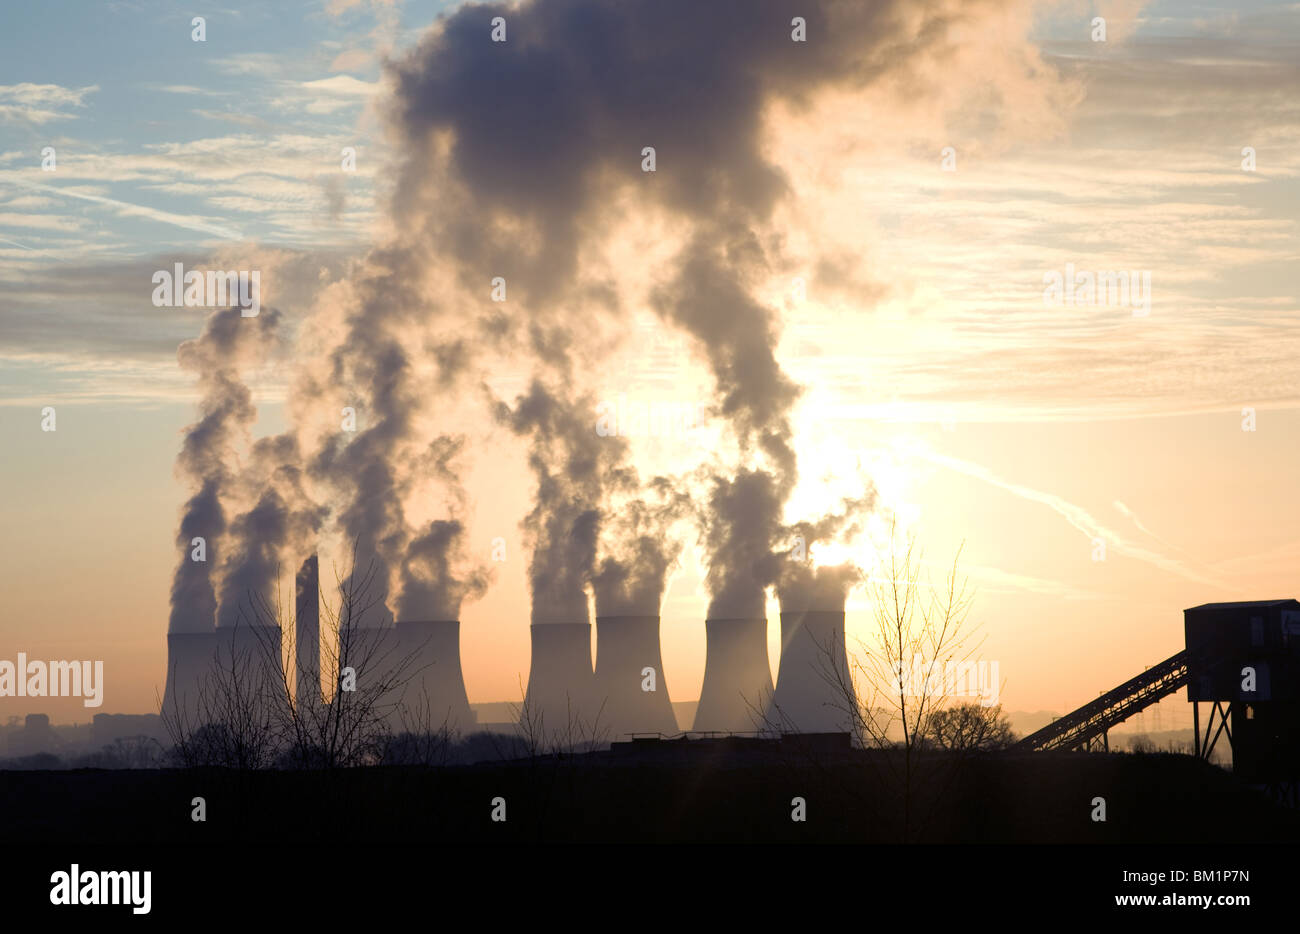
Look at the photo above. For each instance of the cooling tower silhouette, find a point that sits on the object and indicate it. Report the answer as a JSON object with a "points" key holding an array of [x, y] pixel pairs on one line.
{"points": [[379, 669], [434, 692], [307, 634], [813, 690], [737, 680], [190, 658], [625, 647], [560, 689], [250, 668]]}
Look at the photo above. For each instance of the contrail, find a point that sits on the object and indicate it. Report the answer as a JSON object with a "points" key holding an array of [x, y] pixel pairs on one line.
{"points": [[1075, 515], [126, 207], [29, 249]]}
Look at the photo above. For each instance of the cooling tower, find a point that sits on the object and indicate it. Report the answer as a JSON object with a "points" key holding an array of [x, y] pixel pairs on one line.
{"points": [[377, 663], [737, 681], [307, 634], [434, 693], [558, 703], [251, 666], [625, 647], [813, 690], [189, 663]]}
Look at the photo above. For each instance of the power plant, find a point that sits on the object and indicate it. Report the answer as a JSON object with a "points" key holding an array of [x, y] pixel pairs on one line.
{"points": [[251, 667], [629, 676], [190, 658], [416, 665], [560, 691], [813, 688], [737, 680], [434, 694]]}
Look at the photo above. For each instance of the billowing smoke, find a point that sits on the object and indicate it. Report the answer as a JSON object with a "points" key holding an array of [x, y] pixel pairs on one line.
{"points": [[640, 548], [803, 586], [821, 589], [513, 154], [572, 465], [363, 469], [431, 587], [280, 526], [743, 519], [193, 598], [228, 342], [436, 574], [388, 329], [842, 524], [519, 147], [709, 298]]}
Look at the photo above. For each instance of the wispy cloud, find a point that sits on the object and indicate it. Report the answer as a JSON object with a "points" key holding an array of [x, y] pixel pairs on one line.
{"points": [[1077, 516], [188, 222], [41, 103], [1141, 526]]}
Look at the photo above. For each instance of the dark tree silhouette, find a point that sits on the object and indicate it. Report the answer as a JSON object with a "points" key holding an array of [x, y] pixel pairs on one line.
{"points": [[970, 728], [248, 715]]}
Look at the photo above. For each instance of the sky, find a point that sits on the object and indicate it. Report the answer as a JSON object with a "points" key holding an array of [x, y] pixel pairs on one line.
{"points": [[910, 305]]}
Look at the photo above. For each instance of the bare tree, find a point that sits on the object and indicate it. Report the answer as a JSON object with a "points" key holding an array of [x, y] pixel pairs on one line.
{"points": [[893, 687], [231, 721], [578, 732], [248, 715]]}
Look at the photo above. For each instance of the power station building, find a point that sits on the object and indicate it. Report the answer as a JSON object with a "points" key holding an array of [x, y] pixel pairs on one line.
{"points": [[1243, 659]]}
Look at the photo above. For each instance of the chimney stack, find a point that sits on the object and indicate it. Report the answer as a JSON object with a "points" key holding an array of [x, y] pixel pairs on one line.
{"points": [[307, 634], [737, 680], [625, 647]]}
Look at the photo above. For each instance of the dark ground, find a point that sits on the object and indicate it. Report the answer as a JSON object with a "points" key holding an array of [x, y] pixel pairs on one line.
{"points": [[711, 795]]}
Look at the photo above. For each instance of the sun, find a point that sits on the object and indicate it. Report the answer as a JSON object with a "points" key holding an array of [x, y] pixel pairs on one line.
{"points": [[833, 469]]}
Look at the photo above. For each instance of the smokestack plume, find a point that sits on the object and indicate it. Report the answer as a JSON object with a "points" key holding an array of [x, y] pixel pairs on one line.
{"points": [[743, 522], [640, 545], [461, 189], [572, 465], [307, 634], [227, 343], [430, 587], [814, 690]]}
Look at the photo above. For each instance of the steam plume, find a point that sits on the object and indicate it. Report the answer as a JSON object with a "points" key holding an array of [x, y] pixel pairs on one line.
{"points": [[227, 343]]}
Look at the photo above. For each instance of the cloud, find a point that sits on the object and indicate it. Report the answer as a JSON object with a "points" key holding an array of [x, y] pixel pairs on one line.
{"points": [[126, 209], [40, 103], [1077, 516]]}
